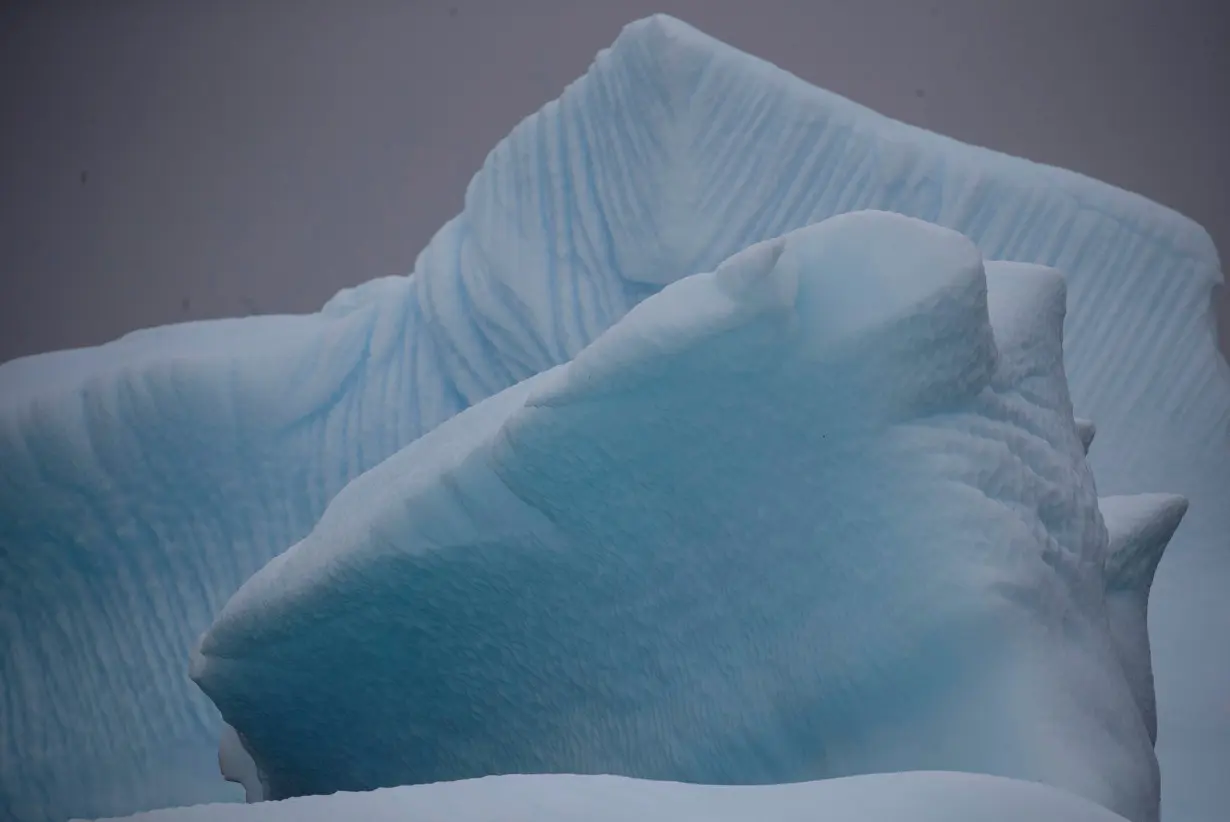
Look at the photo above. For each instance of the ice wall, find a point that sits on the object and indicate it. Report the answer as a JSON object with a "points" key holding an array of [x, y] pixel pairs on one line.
{"points": [[143, 481]]}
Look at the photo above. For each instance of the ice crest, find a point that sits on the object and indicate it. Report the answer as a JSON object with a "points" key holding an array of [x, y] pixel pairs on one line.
{"points": [[143, 481]]}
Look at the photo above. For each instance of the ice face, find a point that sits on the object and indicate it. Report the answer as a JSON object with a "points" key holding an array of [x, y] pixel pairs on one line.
{"points": [[910, 797], [823, 511], [236, 765], [141, 482]]}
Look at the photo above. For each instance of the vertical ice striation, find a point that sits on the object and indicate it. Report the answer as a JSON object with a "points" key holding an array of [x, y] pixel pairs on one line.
{"points": [[141, 482]]}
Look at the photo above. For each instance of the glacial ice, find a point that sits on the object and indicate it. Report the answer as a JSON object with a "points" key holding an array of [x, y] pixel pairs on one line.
{"points": [[909, 797], [143, 481], [654, 560]]}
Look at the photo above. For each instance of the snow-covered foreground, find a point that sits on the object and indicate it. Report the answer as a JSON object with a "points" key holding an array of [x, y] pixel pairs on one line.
{"points": [[906, 797], [142, 482]]}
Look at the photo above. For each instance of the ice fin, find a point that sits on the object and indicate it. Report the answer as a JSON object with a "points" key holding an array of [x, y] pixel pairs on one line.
{"points": [[745, 275], [1140, 528]]}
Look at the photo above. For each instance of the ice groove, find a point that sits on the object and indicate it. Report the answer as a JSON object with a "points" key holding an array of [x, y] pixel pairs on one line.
{"points": [[182, 459]]}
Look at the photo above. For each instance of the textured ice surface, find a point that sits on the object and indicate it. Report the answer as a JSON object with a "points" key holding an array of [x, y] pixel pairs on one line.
{"points": [[908, 797], [657, 560], [141, 482]]}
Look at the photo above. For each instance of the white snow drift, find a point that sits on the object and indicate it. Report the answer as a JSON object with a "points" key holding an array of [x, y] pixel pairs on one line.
{"points": [[909, 797]]}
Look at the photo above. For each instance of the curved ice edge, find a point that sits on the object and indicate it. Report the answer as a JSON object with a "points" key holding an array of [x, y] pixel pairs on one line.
{"points": [[1178, 425], [669, 39], [897, 797]]}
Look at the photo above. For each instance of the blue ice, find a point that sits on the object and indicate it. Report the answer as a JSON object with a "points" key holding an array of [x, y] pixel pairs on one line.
{"points": [[821, 512], [142, 482]]}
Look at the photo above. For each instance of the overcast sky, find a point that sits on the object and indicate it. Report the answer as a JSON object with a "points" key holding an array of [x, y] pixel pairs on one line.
{"points": [[183, 159]]}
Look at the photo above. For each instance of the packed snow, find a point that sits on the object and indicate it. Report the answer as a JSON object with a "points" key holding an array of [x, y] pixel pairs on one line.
{"points": [[142, 482], [909, 797]]}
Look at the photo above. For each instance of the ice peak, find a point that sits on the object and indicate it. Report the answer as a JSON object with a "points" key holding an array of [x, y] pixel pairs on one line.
{"points": [[672, 52], [1140, 528]]}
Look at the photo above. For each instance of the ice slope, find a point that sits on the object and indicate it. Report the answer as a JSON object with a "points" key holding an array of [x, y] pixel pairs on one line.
{"points": [[675, 150], [907, 797], [142, 481], [140, 484], [824, 511]]}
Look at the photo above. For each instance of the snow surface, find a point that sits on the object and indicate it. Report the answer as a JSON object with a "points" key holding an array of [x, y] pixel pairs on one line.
{"points": [[908, 797], [656, 560], [143, 481]]}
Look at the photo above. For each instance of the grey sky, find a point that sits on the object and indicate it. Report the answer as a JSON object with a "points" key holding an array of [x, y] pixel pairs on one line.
{"points": [[176, 160]]}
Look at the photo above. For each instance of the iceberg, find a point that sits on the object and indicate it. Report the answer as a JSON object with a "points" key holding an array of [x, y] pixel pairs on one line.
{"points": [[655, 560], [142, 482], [911, 797]]}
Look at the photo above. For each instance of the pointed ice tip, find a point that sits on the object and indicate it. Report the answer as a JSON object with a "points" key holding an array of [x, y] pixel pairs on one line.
{"points": [[663, 39], [747, 275], [1086, 430], [1140, 528], [658, 28], [664, 57]]}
